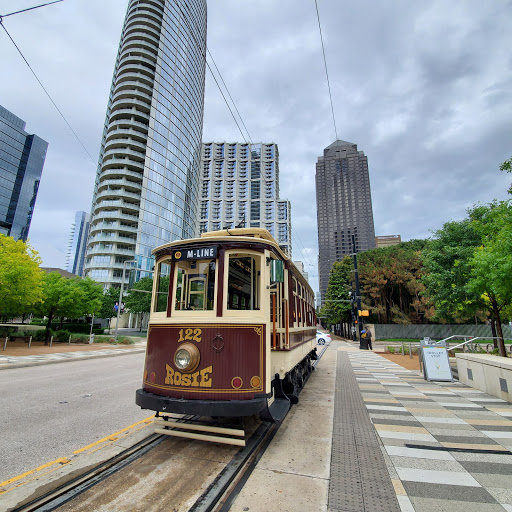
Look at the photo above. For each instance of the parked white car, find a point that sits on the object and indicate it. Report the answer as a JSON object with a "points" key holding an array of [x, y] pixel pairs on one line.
{"points": [[322, 338]]}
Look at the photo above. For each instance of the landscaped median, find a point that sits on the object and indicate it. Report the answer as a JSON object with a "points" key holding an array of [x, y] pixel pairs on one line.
{"points": [[488, 373]]}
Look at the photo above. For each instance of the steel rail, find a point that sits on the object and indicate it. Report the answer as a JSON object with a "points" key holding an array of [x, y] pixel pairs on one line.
{"points": [[69, 490], [222, 492]]}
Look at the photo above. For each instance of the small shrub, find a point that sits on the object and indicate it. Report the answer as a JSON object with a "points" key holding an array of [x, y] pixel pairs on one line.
{"points": [[40, 334], [7, 331], [126, 341], [61, 336], [81, 338], [391, 349]]}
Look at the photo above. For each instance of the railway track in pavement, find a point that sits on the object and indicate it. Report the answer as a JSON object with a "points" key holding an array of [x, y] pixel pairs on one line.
{"points": [[217, 497]]}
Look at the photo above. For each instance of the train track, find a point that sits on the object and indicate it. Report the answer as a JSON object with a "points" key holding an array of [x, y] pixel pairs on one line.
{"points": [[218, 497]]}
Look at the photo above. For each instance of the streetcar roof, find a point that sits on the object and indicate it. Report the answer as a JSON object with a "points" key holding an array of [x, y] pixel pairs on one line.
{"points": [[243, 235]]}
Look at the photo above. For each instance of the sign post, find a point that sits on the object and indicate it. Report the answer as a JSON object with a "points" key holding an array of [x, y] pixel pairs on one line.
{"points": [[436, 365]]}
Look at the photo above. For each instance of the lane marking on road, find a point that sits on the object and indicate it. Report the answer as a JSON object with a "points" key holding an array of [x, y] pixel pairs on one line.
{"points": [[30, 472], [63, 461], [113, 437]]}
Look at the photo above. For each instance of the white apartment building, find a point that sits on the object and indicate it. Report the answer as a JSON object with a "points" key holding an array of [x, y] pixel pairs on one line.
{"points": [[239, 187]]}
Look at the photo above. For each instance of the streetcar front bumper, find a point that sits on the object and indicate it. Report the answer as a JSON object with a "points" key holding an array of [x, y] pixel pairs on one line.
{"points": [[154, 402]]}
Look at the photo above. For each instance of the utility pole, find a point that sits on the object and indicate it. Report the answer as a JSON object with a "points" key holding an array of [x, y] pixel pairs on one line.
{"points": [[363, 344]]}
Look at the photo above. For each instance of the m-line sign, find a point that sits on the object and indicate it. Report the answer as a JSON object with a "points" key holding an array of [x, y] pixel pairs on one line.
{"points": [[199, 253]]}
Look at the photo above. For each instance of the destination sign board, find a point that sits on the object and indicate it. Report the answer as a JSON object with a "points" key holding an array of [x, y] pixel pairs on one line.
{"points": [[436, 364], [198, 253]]}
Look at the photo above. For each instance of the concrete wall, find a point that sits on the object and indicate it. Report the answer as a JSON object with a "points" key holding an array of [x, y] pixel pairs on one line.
{"points": [[417, 332], [490, 374]]}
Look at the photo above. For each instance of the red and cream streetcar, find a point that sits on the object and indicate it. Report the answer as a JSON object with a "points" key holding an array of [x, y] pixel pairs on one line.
{"points": [[232, 330]]}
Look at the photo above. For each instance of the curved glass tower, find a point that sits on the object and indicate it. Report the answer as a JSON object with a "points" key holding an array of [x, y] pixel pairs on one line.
{"points": [[146, 185]]}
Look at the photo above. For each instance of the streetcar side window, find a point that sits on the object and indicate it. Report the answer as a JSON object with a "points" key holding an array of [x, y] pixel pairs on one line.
{"points": [[195, 285], [244, 282], [162, 287]]}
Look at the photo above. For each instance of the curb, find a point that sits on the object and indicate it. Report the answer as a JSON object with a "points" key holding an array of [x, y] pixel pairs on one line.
{"points": [[8, 366]]}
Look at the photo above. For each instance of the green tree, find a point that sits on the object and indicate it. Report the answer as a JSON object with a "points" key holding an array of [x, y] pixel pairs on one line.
{"points": [[139, 298], [391, 287], [447, 261], [63, 297], [21, 279], [334, 309], [108, 301], [492, 260], [507, 167]]}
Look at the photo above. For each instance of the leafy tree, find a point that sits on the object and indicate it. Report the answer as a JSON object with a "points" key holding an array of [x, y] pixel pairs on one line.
{"points": [[21, 279], [110, 297], [492, 260], [447, 261], [334, 310], [390, 279], [507, 167], [63, 297], [139, 298]]}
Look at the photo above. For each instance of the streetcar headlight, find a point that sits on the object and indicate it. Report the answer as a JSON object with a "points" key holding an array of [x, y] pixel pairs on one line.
{"points": [[186, 358]]}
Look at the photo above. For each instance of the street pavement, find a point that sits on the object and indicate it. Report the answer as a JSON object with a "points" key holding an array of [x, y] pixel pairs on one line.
{"points": [[444, 446]]}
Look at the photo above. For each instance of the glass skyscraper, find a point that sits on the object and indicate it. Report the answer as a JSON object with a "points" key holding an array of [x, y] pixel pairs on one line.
{"points": [[146, 190], [77, 244], [21, 165], [344, 206]]}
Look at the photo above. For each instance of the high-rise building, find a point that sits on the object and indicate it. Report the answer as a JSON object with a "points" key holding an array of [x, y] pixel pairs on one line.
{"points": [[77, 244], [146, 190], [21, 165], [344, 206], [240, 187]]}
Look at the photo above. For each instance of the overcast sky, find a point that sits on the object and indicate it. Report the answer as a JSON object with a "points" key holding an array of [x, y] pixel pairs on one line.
{"points": [[423, 88]]}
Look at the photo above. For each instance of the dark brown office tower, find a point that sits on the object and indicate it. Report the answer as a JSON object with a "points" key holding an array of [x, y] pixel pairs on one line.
{"points": [[344, 206]]}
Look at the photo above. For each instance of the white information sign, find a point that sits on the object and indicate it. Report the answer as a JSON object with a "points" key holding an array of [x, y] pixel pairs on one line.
{"points": [[437, 364]]}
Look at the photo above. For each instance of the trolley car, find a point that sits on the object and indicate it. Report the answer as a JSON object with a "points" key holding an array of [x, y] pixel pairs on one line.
{"points": [[232, 330]]}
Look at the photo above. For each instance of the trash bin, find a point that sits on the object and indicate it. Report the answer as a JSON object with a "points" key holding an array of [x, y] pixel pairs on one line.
{"points": [[363, 344]]}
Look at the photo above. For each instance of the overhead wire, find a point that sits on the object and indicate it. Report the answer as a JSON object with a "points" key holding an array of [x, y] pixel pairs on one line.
{"points": [[237, 111], [326, 72], [35, 75]]}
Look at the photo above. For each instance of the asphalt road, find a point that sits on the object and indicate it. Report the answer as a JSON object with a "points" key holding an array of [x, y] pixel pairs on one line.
{"points": [[47, 412]]}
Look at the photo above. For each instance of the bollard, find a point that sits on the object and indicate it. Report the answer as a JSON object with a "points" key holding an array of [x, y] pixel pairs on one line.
{"points": [[51, 341], [403, 351], [410, 351], [5, 344], [69, 341], [30, 342]]}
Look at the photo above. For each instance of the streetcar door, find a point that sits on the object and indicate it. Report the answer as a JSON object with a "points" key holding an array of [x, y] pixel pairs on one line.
{"points": [[196, 292]]}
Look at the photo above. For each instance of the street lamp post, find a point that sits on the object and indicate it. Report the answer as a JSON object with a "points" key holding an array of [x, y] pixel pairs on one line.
{"points": [[121, 296]]}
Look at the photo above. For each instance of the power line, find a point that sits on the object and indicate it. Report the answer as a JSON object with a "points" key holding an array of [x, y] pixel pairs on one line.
{"points": [[29, 9], [326, 73], [239, 115], [39, 81]]}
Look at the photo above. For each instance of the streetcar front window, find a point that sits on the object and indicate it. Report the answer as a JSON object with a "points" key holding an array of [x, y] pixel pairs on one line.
{"points": [[195, 285], [243, 282], [162, 287]]}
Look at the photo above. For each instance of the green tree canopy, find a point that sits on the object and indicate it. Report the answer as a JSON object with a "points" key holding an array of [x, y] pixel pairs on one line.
{"points": [[390, 280], [447, 261], [139, 298], [63, 297], [507, 167], [492, 260], [338, 290], [21, 279]]}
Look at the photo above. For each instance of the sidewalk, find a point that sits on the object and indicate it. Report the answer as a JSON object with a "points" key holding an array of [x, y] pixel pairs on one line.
{"points": [[18, 355], [396, 443]]}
